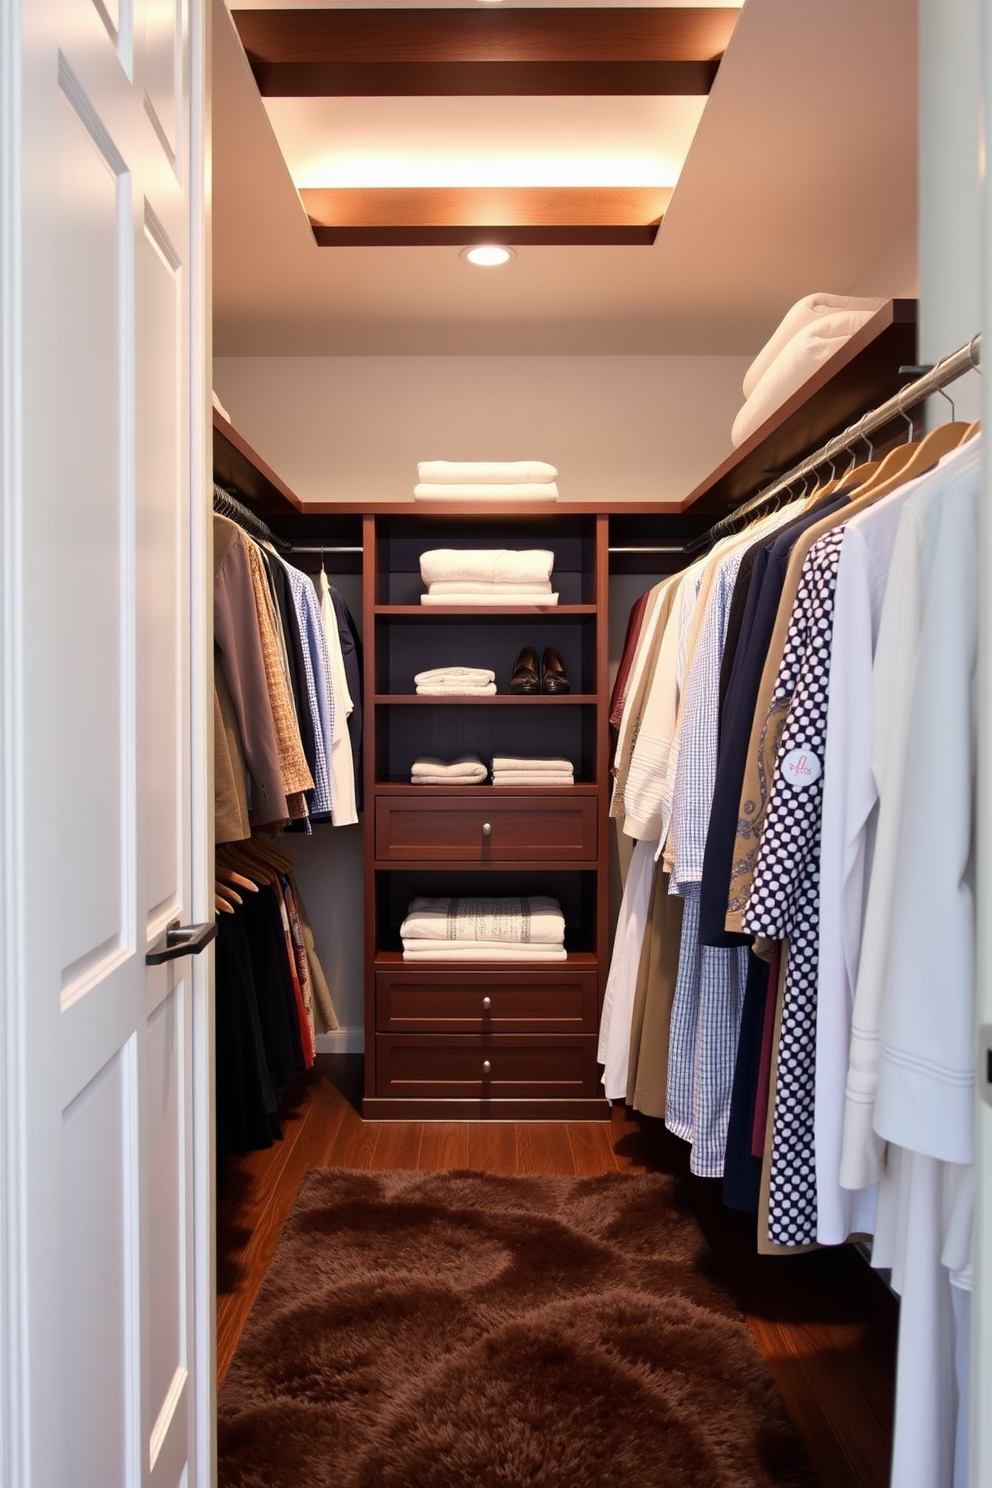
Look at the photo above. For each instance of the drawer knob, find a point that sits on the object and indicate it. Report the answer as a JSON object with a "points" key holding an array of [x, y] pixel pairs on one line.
{"points": [[486, 1066], [487, 1003], [487, 829]]}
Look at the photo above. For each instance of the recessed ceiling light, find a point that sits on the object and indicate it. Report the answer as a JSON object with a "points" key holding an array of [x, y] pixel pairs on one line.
{"points": [[487, 255]]}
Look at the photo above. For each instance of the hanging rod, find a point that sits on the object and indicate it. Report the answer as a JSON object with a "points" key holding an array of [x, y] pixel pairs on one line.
{"points": [[656, 548], [965, 359], [324, 548]]}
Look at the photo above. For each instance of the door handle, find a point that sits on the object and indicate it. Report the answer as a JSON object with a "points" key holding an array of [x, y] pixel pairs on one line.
{"points": [[181, 940]]}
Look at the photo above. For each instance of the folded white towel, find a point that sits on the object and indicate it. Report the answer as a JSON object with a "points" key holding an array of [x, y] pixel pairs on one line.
{"points": [[467, 586], [473, 491], [536, 918], [505, 596], [466, 767], [457, 689], [455, 674], [517, 779], [447, 780], [508, 762], [795, 364], [805, 312], [486, 565], [457, 472], [440, 950]]}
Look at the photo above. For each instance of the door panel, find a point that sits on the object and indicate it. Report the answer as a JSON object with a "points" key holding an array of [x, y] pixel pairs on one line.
{"points": [[100, 1208], [105, 1387]]}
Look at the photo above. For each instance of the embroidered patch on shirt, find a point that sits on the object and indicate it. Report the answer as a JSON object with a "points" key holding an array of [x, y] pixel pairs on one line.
{"points": [[800, 768]]}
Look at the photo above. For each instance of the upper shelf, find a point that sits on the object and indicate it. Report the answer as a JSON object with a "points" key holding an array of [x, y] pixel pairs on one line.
{"points": [[862, 374]]}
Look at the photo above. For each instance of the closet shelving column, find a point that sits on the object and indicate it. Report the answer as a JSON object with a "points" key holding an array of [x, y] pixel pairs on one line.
{"points": [[494, 1039]]}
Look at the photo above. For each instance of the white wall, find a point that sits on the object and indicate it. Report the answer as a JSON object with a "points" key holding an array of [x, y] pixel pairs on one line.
{"points": [[353, 428], [896, 272]]}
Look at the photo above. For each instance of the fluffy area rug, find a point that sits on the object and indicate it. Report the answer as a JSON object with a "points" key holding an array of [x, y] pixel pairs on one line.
{"points": [[464, 1330]]}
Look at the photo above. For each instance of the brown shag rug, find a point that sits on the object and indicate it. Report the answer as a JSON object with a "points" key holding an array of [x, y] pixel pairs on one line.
{"points": [[463, 1330]]}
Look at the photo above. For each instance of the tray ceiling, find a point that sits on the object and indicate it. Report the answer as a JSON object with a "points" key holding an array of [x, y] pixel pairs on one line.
{"points": [[800, 173]]}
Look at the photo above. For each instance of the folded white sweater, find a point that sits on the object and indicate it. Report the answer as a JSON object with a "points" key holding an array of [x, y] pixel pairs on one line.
{"points": [[467, 769], [486, 565], [520, 921], [472, 491], [451, 674], [457, 472]]}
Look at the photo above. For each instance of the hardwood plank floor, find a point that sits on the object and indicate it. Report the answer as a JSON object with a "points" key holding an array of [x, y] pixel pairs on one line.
{"points": [[824, 1322]]}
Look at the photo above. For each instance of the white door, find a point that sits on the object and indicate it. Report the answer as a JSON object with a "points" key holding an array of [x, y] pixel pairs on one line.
{"points": [[105, 1373]]}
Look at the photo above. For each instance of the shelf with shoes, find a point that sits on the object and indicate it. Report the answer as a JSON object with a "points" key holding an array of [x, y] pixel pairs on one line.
{"points": [[432, 1048]]}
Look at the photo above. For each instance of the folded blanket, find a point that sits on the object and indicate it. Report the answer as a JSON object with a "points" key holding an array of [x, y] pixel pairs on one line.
{"points": [[448, 780], [508, 762], [451, 674], [467, 586], [473, 491], [803, 313], [467, 767], [457, 689], [439, 950], [795, 364], [506, 596], [485, 472], [534, 919], [486, 565]]}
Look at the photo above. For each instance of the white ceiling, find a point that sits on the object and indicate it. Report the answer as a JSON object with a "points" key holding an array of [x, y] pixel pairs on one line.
{"points": [[801, 175]]}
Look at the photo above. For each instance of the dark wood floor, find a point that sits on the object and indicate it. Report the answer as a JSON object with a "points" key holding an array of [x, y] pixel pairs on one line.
{"points": [[824, 1322]]}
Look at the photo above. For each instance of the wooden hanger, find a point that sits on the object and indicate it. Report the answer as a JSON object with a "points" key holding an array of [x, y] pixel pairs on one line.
{"points": [[886, 468], [971, 431], [922, 457], [230, 876], [224, 891], [221, 906]]}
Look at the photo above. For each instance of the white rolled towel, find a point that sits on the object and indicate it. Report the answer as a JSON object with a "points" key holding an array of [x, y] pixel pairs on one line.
{"points": [[468, 586], [503, 595], [485, 472], [486, 565], [475, 491], [536, 918], [450, 674]]}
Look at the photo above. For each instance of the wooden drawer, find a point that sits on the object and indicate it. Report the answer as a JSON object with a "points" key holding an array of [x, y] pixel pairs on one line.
{"points": [[537, 829], [522, 1001], [519, 1065]]}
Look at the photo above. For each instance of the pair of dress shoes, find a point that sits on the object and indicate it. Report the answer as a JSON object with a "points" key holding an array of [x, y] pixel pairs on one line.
{"points": [[528, 677]]}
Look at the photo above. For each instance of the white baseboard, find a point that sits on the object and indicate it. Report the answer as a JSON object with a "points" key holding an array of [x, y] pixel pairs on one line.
{"points": [[342, 1041]]}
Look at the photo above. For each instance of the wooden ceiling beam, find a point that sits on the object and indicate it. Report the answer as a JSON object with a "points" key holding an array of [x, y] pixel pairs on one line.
{"points": [[397, 53]]}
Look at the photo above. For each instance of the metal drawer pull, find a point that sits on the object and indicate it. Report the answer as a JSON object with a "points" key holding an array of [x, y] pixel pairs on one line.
{"points": [[487, 830], [486, 1066], [487, 1003]]}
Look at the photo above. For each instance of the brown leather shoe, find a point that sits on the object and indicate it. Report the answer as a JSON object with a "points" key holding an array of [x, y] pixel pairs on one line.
{"points": [[526, 677], [553, 678]]}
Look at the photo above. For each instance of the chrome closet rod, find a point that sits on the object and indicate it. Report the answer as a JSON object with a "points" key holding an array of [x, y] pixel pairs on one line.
{"points": [[657, 548], [324, 548], [949, 369]]}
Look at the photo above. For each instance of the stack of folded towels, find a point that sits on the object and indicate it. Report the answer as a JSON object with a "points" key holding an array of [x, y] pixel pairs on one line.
{"points": [[485, 480], [510, 771], [811, 332], [467, 769], [456, 680], [491, 576], [525, 929]]}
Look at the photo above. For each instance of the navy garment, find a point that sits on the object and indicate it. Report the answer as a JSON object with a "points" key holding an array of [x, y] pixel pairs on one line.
{"points": [[266, 941], [735, 620], [768, 579], [741, 1169], [351, 651]]}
